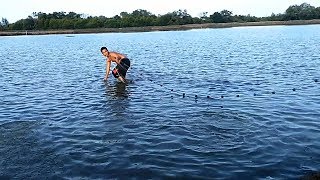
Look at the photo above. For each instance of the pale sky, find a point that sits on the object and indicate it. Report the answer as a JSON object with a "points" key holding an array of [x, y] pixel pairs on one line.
{"points": [[14, 10]]}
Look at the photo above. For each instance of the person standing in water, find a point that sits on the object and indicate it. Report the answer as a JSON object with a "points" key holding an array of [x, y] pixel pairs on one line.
{"points": [[123, 64]]}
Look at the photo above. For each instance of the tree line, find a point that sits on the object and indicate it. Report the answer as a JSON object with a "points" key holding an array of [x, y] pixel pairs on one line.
{"points": [[141, 18]]}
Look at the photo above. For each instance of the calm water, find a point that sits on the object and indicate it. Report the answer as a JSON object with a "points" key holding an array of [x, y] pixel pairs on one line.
{"points": [[58, 119]]}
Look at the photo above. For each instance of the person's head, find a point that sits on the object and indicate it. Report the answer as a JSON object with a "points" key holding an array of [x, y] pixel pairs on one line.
{"points": [[104, 51]]}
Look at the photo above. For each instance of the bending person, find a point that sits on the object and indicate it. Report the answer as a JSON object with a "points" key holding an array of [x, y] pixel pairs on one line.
{"points": [[123, 64]]}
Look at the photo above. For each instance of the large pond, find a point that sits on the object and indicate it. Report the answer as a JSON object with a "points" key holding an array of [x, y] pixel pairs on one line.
{"points": [[210, 103]]}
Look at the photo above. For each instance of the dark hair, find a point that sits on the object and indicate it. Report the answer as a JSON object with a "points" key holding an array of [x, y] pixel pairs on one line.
{"points": [[103, 49]]}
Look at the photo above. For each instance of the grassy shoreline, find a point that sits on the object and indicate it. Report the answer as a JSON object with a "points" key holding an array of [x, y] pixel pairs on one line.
{"points": [[158, 28]]}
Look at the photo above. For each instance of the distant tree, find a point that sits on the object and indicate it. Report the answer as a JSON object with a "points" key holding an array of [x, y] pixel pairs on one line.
{"points": [[126, 21], [301, 12], [197, 20], [29, 23], [140, 18], [307, 11], [273, 17], [124, 14], [17, 25], [137, 18], [4, 23], [57, 15], [112, 23], [317, 13], [141, 13], [222, 17], [40, 24], [80, 23], [72, 15], [179, 17], [204, 17], [164, 19], [46, 24], [216, 17], [67, 23], [226, 15], [184, 17], [54, 23], [94, 23]]}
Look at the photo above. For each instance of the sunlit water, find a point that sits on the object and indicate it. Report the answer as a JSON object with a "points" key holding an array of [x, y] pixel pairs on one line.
{"points": [[58, 119]]}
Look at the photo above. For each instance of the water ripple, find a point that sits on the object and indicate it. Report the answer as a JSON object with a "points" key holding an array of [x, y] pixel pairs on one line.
{"points": [[237, 103]]}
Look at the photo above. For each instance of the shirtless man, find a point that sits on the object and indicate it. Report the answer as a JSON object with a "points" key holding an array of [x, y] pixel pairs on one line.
{"points": [[123, 64]]}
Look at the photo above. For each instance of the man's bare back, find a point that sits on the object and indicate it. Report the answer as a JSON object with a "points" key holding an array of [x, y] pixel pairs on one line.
{"points": [[115, 57]]}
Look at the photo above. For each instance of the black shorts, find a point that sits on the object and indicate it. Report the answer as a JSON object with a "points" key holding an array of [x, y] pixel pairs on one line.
{"points": [[122, 68]]}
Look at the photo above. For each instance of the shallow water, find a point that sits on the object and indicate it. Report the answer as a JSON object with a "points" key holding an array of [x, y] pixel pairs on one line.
{"points": [[58, 119]]}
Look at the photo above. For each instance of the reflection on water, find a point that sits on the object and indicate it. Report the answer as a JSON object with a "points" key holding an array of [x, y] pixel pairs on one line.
{"points": [[116, 89], [117, 95]]}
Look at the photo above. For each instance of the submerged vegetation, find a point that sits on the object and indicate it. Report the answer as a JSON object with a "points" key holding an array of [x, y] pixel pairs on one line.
{"points": [[143, 18]]}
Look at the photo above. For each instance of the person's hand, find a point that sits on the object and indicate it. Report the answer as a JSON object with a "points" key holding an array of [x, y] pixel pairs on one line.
{"points": [[105, 78]]}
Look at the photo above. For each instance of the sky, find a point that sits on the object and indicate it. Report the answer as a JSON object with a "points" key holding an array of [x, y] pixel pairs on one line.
{"points": [[14, 10]]}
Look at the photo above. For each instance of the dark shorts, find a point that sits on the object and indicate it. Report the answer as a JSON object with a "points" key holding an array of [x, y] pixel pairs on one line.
{"points": [[122, 68]]}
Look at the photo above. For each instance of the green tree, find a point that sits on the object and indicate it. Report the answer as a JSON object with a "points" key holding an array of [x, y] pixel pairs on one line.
{"points": [[29, 23], [112, 23], [273, 17], [140, 18], [137, 18], [4, 23], [226, 15], [80, 23], [204, 17], [317, 13], [141, 13], [17, 25], [93, 23], [300, 12], [72, 15], [67, 23], [216, 17], [124, 14], [164, 20], [54, 24], [222, 17], [179, 17]]}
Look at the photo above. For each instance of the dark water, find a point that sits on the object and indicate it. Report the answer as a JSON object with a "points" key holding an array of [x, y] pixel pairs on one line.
{"points": [[58, 119]]}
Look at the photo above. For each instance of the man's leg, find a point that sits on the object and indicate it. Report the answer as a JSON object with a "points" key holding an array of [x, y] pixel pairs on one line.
{"points": [[122, 71], [120, 78]]}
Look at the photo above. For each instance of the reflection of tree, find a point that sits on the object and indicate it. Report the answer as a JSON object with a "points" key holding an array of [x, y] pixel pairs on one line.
{"points": [[118, 90], [117, 97]]}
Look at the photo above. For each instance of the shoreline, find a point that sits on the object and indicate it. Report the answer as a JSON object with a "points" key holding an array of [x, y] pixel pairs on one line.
{"points": [[158, 28]]}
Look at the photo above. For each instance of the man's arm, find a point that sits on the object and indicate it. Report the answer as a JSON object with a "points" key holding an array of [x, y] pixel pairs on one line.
{"points": [[108, 64]]}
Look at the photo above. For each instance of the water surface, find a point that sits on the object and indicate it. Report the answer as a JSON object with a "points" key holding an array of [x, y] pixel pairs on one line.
{"points": [[213, 103]]}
